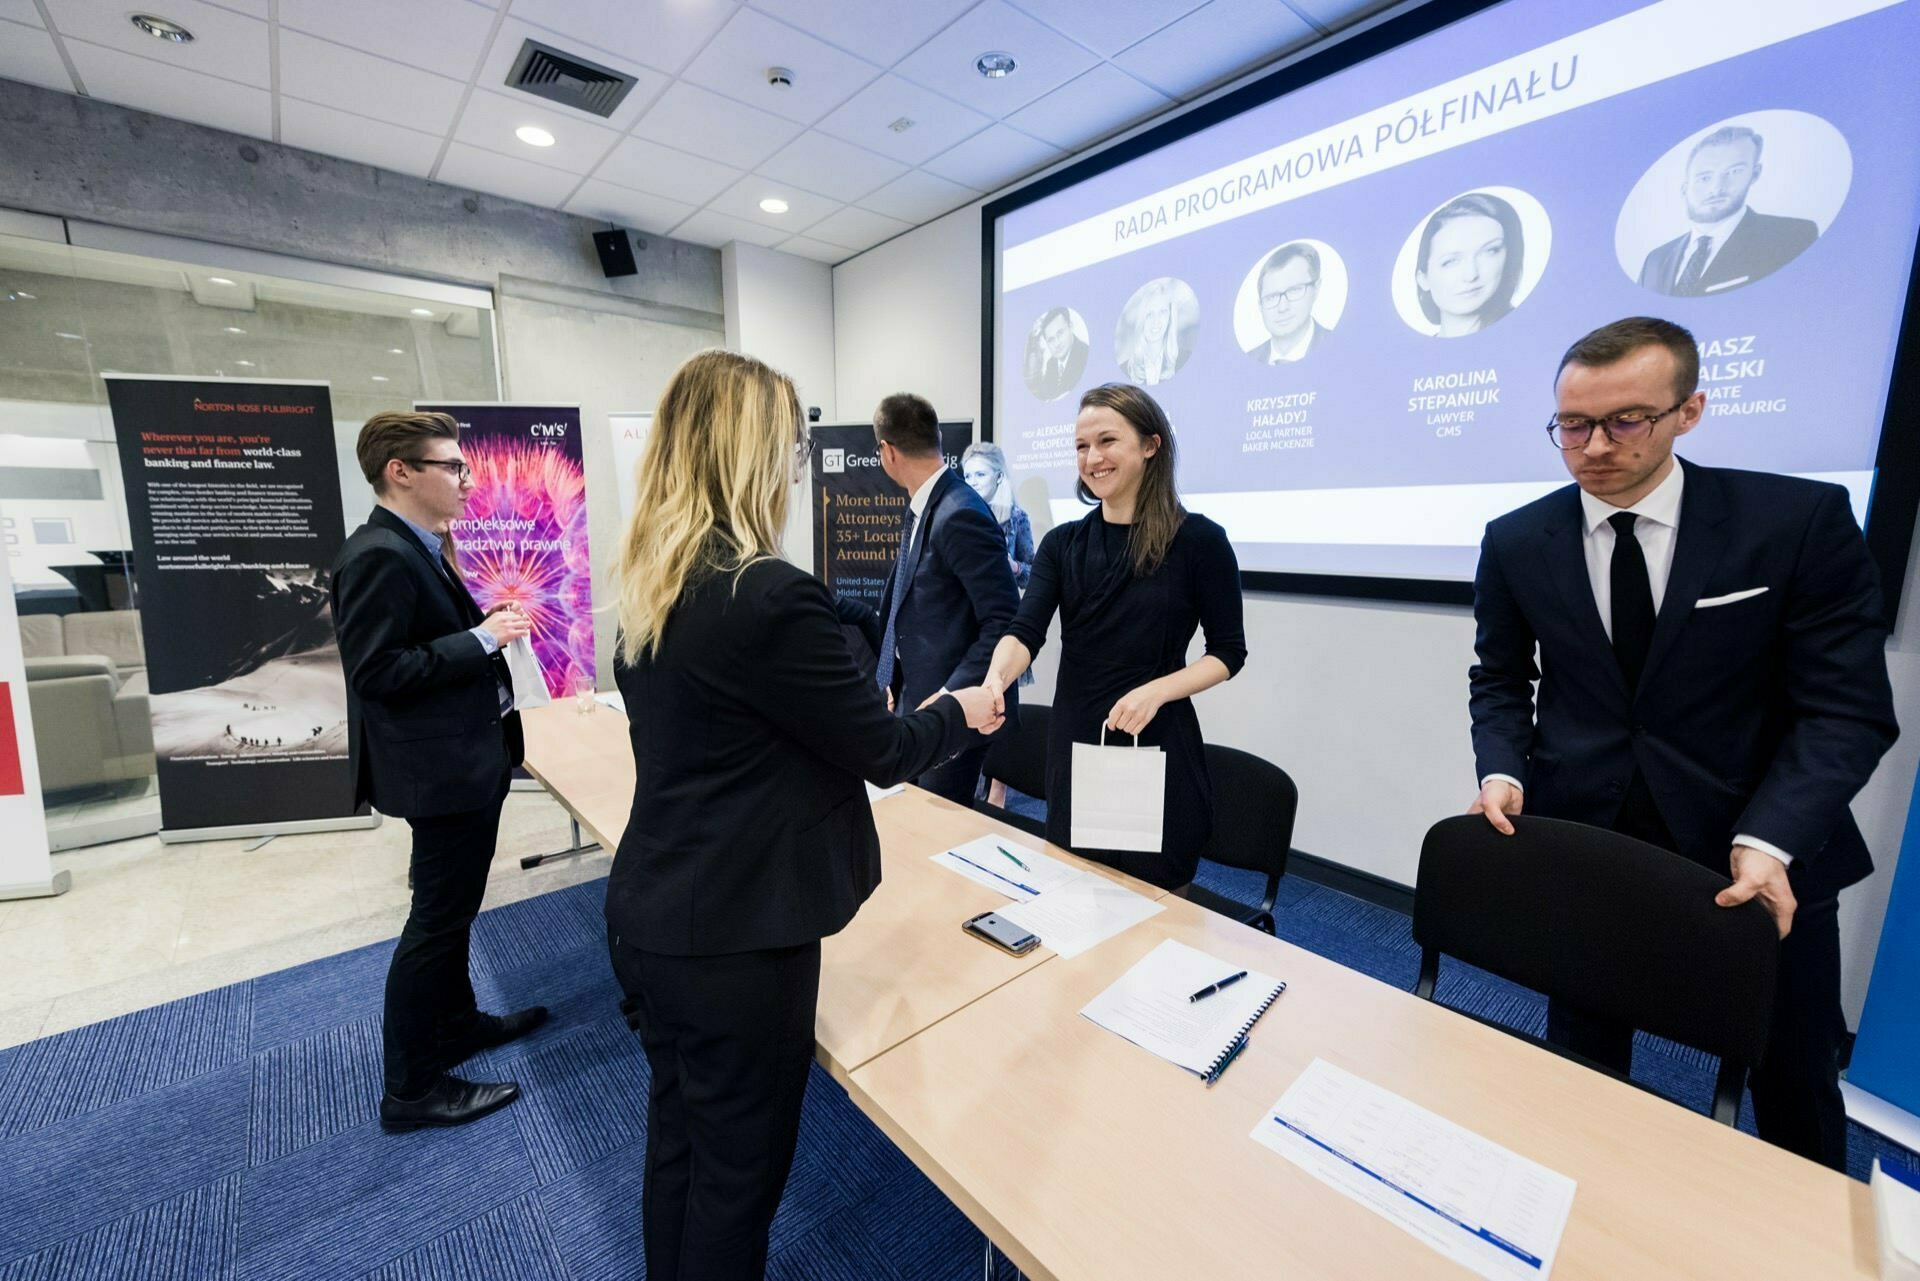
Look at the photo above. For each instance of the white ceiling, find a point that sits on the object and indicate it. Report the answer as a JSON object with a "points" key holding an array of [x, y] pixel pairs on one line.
{"points": [[417, 86]]}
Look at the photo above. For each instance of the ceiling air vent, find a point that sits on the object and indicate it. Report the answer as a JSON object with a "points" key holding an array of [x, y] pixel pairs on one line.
{"points": [[569, 81]]}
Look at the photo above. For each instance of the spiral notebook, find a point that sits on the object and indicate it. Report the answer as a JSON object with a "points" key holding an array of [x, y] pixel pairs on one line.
{"points": [[1150, 1005]]}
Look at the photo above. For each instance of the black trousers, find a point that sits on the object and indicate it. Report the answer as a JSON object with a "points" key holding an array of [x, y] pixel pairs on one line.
{"points": [[729, 1039], [430, 1005], [1796, 1085], [958, 780]]}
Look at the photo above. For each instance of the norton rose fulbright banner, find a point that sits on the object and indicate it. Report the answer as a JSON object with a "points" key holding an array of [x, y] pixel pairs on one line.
{"points": [[233, 505]]}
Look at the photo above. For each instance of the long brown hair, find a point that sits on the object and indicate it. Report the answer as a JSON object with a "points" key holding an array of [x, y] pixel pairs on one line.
{"points": [[1157, 512]]}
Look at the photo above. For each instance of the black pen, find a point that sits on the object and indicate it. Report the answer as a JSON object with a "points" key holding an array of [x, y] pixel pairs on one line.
{"points": [[1211, 988]]}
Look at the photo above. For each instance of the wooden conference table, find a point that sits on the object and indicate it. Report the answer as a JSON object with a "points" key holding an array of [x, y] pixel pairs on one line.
{"points": [[1084, 1157]]}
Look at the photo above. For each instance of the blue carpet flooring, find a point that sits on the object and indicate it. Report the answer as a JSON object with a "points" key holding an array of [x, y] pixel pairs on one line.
{"points": [[232, 1135]]}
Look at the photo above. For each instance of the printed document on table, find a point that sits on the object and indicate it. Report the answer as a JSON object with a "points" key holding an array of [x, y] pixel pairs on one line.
{"points": [[985, 861], [1152, 1006], [1487, 1209], [1087, 910]]}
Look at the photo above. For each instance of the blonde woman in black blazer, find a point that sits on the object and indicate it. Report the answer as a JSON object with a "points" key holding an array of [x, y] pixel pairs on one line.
{"points": [[750, 838]]}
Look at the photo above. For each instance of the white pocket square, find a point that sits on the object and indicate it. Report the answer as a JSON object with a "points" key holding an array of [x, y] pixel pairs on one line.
{"points": [[1709, 602]]}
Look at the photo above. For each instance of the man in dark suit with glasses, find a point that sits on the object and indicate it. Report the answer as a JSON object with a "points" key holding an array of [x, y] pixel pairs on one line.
{"points": [[434, 740], [1712, 679]]}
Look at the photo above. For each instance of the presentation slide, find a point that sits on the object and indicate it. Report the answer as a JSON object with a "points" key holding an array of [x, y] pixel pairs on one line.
{"points": [[1352, 299]]}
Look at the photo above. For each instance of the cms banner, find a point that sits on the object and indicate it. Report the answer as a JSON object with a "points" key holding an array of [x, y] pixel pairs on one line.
{"points": [[233, 503], [524, 536], [858, 512]]}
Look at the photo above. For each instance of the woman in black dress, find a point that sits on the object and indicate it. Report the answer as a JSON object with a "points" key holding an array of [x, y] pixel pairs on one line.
{"points": [[1132, 580]]}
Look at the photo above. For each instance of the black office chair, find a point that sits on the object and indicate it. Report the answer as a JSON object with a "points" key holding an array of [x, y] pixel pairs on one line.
{"points": [[1254, 803], [1609, 924], [1018, 758]]}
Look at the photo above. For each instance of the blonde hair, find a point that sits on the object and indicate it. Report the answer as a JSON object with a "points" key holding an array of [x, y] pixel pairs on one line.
{"points": [[710, 490], [1001, 504]]}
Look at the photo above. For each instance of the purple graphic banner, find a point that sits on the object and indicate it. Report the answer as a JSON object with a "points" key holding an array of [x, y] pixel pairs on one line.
{"points": [[524, 537]]}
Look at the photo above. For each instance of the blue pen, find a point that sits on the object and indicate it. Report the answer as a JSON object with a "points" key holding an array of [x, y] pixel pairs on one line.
{"points": [[990, 872]]}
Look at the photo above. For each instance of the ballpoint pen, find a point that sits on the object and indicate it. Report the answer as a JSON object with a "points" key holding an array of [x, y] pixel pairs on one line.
{"points": [[990, 872], [1211, 988], [1233, 1052], [1015, 857]]}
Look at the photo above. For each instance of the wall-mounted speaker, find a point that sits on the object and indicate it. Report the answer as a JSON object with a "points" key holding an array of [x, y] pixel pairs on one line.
{"points": [[616, 253]]}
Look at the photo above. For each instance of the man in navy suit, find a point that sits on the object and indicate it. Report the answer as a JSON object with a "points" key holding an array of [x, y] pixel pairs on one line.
{"points": [[1727, 243], [952, 594], [1289, 286], [1712, 680]]}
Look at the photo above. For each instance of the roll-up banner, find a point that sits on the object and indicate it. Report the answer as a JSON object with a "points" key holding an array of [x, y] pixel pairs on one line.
{"points": [[628, 432], [233, 507], [857, 510], [25, 870], [1883, 1077], [524, 535]]}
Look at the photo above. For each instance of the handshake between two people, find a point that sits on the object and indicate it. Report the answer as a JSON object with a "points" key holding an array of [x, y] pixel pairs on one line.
{"points": [[983, 708]]}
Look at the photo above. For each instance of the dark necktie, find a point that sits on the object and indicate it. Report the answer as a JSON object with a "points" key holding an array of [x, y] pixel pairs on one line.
{"points": [[890, 637], [1632, 594], [1689, 282]]}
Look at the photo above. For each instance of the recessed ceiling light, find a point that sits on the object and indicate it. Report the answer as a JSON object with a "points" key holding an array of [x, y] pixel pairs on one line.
{"points": [[218, 280], [247, 363], [423, 311], [64, 334], [380, 378], [773, 204], [161, 29], [396, 351], [21, 295], [235, 329], [901, 125], [533, 136], [995, 66]]}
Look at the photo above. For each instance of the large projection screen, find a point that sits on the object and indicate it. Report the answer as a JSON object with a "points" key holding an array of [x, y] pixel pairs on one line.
{"points": [[1350, 283]]}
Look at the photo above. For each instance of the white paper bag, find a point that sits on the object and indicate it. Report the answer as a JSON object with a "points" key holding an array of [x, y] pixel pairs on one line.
{"points": [[1119, 796], [529, 682]]}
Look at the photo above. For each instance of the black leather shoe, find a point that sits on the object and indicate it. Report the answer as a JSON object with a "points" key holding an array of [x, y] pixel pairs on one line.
{"points": [[451, 1101], [492, 1030]]}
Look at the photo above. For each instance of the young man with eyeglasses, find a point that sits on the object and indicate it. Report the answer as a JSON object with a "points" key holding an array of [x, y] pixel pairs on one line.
{"points": [[1713, 680], [1289, 286], [434, 740]]}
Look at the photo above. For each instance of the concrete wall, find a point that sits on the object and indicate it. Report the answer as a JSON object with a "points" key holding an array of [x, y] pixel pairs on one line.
{"points": [[1364, 703]]}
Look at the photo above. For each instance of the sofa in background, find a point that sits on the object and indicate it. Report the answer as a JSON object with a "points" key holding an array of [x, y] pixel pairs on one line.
{"points": [[87, 693]]}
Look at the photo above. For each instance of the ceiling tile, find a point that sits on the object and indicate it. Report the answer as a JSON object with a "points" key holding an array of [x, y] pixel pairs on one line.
{"points": [[992, 159], [225, 44], [694, 119], [1047, 60], [918, 197], [444, 36], [514, 34], [716, 229], [349, 80], [1335, 14], [856, 228], [818, 250], [1098, 103], [804, 208], [27, 54], [938, 122], [22, 11], [660, 33], [1107, 26], [662, 171], [830, 167], [881, 31], [252, 8], [1214, 43], [654, 215], [490, 120], [113, 76], [508, 176], [736, 64], [351, 137]]}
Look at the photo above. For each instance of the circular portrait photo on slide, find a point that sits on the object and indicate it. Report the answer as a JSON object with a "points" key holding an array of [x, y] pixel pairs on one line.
{"points": [[1471, 261], [1056, 355], [1733, 203], [1290, 302], [1154, 335]]}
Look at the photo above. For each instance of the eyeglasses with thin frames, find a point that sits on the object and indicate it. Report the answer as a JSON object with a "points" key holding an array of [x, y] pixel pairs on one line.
{"points": [[1573, 431], [1292, 293], [461, 472]]}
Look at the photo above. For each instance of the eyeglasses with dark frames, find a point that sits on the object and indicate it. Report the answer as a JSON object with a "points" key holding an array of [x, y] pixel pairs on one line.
{"points": [[1292, 293], [457, 466], [1573, 431]]}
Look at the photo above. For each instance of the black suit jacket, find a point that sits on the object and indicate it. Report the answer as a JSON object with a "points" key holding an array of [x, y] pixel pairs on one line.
{"points": [[1759, 246], [1055, 382], [1761, 716], [752, 729], [960, 599], [1318, 337], [423, 709]]}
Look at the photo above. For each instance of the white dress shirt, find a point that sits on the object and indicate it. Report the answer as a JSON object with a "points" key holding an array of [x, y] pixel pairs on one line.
{"points": [[1719, 231], [1294, 350], [1656, 529]]}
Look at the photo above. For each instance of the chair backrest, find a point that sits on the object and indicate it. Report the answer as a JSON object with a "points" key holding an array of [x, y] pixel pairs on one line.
{"points": [[41, 637], [1611, 925], [1254, 803], [113, 632], [1018, 755]]}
